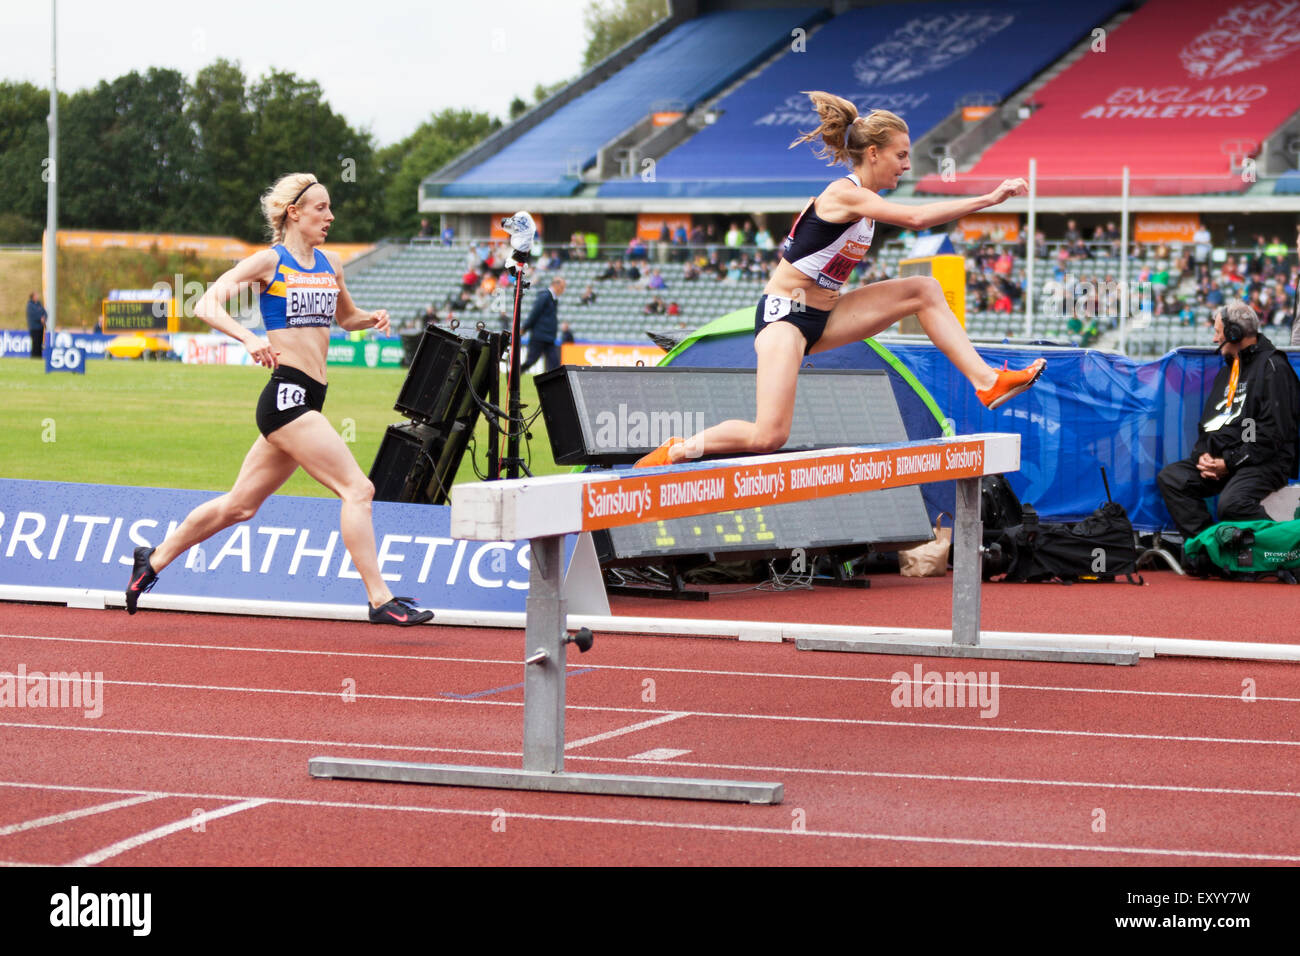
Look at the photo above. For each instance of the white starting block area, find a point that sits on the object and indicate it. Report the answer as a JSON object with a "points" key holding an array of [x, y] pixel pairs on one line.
{"points": [[544, 510]]}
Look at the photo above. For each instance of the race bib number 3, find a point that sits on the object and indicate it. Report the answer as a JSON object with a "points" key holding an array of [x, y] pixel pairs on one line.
{"points": [[775, 308]]}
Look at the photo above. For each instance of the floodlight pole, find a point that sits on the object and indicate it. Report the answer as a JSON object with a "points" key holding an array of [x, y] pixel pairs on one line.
{"points": [[1030, 242], [514, 410], [52, 189]]}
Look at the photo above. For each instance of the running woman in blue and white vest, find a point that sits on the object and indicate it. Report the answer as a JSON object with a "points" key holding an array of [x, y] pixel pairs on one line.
{"points": [[302, 294], [802, 310]]}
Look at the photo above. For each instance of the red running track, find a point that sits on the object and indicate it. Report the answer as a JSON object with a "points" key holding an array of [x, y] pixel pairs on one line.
{"points": [[200, 754]]}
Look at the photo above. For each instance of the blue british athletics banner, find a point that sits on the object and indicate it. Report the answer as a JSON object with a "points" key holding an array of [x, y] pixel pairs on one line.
{"points": [[18, 344], [54, 534]]}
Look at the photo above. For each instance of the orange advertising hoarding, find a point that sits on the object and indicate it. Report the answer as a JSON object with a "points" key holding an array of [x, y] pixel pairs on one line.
{"points": [[649, 224], [586, 353], [995, 225], [1165, 226], [207, 247]]}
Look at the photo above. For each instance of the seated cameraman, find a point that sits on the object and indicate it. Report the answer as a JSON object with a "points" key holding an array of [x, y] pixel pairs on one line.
{"points": [[1246, 445]]}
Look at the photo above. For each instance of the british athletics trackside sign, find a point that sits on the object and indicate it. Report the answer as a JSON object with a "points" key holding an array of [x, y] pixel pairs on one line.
{"points": [[83, 536]]}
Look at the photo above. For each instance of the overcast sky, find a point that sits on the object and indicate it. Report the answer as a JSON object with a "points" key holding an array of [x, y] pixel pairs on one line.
{"points": [[385, 65]]}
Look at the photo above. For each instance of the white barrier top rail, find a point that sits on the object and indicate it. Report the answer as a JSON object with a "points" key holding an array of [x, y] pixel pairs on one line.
{"points": [[566, 504]]}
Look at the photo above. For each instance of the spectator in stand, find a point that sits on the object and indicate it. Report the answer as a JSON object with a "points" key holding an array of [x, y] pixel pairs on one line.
{"points": [[470, 279], [674, 310], [1202, 240], [635, 249], [655, 281], [426, 230], [763, 240], [430, 316], [632, 274], [588, 296], [690, 272], [734, 240], [566, 334], [1072, 234], [655, 307], [749, 232], [613, 270], [697, 238]]}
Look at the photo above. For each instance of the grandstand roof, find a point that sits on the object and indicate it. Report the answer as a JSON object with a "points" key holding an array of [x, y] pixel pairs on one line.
{"points": [[735, 58]]}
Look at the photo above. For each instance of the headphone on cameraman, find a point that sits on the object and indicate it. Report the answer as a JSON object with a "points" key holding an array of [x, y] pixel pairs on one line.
{"points": [[1232, 330]]}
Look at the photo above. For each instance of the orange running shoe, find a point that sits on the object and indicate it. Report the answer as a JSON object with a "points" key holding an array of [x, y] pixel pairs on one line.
{"points": [[1010, 384], [659, 456]]}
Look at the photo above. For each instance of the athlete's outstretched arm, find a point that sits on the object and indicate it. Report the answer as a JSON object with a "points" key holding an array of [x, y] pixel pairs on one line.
{"points": [[843, 200]]}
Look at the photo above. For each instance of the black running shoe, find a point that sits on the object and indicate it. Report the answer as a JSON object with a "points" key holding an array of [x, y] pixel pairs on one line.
{"points": [[143, 577], [401, 611]]}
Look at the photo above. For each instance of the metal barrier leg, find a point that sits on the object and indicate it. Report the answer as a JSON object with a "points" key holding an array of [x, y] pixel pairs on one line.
{"points": [[544, 693], [967, 563]]}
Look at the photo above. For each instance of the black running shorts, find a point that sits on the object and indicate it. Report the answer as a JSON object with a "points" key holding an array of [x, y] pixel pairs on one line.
{"points": [[288, 395], [811, 322]]}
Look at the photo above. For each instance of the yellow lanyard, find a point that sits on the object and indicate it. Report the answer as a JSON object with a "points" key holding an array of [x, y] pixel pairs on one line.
{"points": [[1232, 383]]}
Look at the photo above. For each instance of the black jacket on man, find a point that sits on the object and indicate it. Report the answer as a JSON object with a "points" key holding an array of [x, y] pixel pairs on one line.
{"points": [[1255, 433], [1266, 410], [543, 319]]}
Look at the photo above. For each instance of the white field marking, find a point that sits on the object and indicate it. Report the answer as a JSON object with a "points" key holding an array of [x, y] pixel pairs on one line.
{"points": [[625, 730], [755, 768], [74, 814], [659, 753], [628, 667], [783, 831], [185, 823]]}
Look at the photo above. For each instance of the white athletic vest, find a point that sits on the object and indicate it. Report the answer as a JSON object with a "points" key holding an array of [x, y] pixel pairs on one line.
{"points": [[827, 251]]}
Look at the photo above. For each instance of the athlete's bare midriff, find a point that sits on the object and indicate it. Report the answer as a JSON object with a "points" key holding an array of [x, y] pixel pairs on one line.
{"points": [[303, 349], [789, 283]]}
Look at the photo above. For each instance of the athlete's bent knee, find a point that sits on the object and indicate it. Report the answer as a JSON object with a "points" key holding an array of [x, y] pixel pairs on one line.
{"points": [[359, 493], [768, 440]]}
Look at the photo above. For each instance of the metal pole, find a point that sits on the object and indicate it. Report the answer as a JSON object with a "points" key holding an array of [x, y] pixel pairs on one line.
{"points": [[52, 190], [1030, 287], [1123, 266]]}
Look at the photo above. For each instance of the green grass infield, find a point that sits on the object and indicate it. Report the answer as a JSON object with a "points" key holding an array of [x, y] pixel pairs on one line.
{"points": [[170, 425]]}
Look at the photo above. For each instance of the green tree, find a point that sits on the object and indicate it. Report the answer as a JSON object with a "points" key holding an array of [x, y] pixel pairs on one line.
{"points": [[295, 130], [127, 153], [437, 142], [24, 144], [225, 187], [612, 23]]}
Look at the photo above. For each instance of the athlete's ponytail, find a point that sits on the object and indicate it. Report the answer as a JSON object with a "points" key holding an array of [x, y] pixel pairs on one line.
{"points": [[844, 134]]}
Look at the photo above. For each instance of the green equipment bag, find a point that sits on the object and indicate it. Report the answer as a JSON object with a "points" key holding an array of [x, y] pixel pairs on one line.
{"points": [[1246, 550]]}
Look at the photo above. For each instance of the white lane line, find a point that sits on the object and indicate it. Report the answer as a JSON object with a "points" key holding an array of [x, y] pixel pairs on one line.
{"points": [[837, 721], [185, 823], [783, 831], [625, 730], [628, 667], [74, 814], [659, 754]]}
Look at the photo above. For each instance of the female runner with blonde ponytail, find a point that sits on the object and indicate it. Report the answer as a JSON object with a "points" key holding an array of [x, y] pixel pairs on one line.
{"points": [[802, 310], [301, 294]]}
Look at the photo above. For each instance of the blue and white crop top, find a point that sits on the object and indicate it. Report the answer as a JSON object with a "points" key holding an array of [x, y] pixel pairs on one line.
{"points": [[827, 251], [297, 297]]}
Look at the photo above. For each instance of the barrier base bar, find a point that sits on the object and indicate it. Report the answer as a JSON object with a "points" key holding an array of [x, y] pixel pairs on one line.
{"points": [[967, 574], [682, 788], [544, 671], [986, 651]]}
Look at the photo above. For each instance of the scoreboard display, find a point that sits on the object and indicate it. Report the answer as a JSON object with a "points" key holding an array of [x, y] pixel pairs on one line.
{"points": [[615, 415], [136, 315]]}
